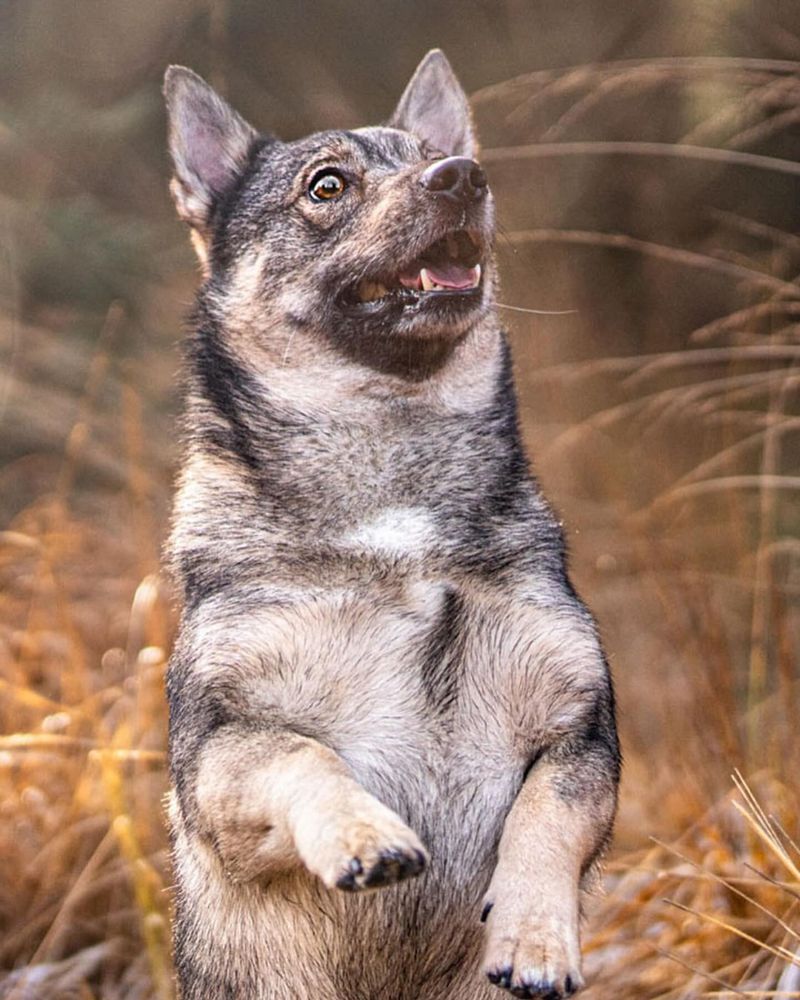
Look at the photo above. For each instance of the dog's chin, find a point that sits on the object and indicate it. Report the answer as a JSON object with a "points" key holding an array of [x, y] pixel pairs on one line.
{"points": [[411, 313]]}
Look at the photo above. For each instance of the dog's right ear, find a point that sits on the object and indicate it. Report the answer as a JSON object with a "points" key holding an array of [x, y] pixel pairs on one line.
{"points": [[210, 146], [435, 108]]}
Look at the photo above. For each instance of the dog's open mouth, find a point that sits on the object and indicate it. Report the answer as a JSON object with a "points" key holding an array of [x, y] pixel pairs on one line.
{"points": [[449, 268]]}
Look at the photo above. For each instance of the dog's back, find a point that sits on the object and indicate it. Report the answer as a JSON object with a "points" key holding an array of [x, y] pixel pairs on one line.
{"points": [[383, 675]]}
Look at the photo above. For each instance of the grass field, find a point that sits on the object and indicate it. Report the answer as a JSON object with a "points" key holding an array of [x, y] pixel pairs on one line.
{"points": [[648, 206]]}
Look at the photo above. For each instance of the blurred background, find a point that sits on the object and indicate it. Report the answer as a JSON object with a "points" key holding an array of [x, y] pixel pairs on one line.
{"points": [[645, 158]]}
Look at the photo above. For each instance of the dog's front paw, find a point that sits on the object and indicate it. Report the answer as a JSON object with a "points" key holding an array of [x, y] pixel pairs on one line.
{"points": [[532, 953], [392, 864], [364, 846]]}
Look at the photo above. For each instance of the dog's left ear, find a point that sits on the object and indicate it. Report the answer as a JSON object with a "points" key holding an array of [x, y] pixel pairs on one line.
{"points": [[435, 108]]}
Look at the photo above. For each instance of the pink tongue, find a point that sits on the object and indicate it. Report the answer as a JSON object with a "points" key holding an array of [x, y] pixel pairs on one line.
{"points": [[446, 275], [452, 276]]}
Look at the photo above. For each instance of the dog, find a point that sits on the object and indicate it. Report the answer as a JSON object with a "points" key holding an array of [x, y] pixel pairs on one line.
{"points": [[392, 745]]}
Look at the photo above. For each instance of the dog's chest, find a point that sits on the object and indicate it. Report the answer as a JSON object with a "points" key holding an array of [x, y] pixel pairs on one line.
{"points": [[396, 674], [419, 705], [403, 531]]}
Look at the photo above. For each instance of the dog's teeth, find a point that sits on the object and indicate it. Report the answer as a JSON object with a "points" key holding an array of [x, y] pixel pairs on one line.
{"points": [[368, 291], [428, 284]]}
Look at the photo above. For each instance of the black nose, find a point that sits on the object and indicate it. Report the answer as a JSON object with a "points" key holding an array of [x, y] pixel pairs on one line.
{"points": [[456, 177]]}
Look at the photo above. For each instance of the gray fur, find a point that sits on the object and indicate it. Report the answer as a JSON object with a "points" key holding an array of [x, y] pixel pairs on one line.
{"points": [[209, 143], [376, 607]]}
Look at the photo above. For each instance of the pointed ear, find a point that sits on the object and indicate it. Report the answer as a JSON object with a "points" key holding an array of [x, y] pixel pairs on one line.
{"points": [[210, 146], [435, 108]]}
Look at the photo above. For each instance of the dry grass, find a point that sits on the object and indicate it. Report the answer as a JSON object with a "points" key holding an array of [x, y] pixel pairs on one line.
{"points": [[84, 645], [676, 467]]}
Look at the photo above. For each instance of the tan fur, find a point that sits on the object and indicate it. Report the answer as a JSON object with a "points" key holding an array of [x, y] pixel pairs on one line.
{"points": [[533, 925], [302, 806]]}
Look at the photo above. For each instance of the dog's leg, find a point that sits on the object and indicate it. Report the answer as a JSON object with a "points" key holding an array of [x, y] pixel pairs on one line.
{"points": [[271, 800], [557, 826]]}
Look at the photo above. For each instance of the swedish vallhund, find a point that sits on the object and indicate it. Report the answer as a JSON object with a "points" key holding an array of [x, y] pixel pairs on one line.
{"points": [[392, 733]]}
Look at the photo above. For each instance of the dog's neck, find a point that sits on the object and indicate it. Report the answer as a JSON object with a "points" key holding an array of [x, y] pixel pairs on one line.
{"points": [[306, 375], [309, 472]]}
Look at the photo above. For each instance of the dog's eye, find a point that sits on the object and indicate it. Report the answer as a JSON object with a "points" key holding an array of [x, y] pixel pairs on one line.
{"points": [[327, 185]]}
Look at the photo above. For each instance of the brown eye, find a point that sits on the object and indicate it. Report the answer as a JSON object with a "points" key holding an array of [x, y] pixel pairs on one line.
{"points": [[327, 185]]}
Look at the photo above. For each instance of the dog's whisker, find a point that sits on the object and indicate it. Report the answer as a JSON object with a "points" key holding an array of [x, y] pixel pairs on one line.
{"points": [[538, 312], [502, 232]]}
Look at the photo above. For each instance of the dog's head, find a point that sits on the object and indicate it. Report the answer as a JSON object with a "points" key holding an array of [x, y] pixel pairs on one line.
{"points": [[366, 238]]}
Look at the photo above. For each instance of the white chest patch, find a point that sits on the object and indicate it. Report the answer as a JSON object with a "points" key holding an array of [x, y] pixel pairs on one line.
{"points": [[396, 531]]}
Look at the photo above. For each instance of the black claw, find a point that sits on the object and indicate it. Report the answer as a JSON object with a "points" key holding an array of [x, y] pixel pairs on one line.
{"points": [[378, 876], [393, 865], [388, 868], [501, 977], [569, 986], [347, 881], [486, 911], [540, 990], [406, 863], [521, 991]]}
